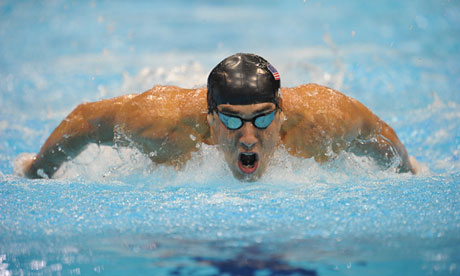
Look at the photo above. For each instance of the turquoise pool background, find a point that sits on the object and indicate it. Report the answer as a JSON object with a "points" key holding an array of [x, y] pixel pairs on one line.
{"points": [[111, 212]]}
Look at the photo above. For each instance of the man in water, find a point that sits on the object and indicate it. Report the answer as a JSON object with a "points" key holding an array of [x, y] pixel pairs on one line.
{"points": [[243, 111]]}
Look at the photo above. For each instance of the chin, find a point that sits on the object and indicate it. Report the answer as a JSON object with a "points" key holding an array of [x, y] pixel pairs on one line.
{"points": [[247, 177]]}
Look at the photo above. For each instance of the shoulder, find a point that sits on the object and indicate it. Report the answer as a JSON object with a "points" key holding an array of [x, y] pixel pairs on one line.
{"points": [[313, 97], [316, 114], [165, 109], [172, 98], [169, 102], [316, 104]]}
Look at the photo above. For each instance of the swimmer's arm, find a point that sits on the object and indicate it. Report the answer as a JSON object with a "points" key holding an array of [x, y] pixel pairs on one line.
{"points": [[375, 138], [321, 121], [156, 121], [378, 140], [87, 123]]}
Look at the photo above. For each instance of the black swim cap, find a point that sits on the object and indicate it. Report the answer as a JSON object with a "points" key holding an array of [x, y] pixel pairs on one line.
{"points": [[243, 79]]}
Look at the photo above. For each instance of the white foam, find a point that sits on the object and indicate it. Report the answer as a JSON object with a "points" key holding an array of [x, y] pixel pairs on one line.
{"points": [[104, 163], [20, 163], [207, 165]]}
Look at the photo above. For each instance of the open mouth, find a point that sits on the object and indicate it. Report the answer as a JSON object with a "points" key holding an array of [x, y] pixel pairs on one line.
{"points": [[248, 162]]}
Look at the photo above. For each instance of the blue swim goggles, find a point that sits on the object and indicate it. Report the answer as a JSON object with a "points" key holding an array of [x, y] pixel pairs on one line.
{"points": [[235, 122]]}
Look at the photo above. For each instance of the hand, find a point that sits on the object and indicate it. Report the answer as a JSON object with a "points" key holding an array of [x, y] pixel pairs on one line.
{"points": [[22, 163], [416, 168]]}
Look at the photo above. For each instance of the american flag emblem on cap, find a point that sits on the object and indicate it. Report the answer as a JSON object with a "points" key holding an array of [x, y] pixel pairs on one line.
{"points": [[274, 72]]}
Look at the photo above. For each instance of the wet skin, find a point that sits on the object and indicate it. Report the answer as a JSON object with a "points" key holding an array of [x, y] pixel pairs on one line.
{"points": [[172, 122], [248, 149]]}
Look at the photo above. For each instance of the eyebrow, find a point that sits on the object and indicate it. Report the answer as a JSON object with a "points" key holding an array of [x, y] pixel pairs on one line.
{"points": [[262, 110]]}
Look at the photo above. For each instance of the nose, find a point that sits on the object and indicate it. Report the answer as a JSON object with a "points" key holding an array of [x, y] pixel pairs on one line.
{"points": [[248, 138]]}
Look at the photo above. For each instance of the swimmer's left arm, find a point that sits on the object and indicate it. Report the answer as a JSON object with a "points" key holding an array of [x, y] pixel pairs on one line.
{"points": [[322, 122], [377, 139]]}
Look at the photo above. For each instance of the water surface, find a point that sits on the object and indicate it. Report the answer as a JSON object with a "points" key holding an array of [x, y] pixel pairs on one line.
{"points": [[112, 212]]}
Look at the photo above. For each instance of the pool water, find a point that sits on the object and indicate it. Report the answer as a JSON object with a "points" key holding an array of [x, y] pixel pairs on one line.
{"points": [[111, 212]]}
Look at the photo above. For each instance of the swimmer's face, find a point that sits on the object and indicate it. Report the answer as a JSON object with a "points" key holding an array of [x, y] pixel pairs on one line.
{"points": [[248, 148]]}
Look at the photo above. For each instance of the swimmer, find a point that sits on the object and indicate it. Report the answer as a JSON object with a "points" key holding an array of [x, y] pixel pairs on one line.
{"points": [[243, 111]]}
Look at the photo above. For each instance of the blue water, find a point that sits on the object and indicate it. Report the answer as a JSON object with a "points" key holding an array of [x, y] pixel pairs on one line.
{"points": [[112, 212]]}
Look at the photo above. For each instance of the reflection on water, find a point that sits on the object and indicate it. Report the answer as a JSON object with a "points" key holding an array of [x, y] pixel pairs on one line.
{"points": [[160, 255]]}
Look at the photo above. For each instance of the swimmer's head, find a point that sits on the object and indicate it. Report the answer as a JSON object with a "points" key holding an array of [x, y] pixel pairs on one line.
{"points": [[243, 79], [244, 113]]}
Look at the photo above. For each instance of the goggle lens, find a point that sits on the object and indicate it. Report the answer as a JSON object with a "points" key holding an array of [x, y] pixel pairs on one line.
{"points": [[230, 122], [264, 121], [233, 122]]}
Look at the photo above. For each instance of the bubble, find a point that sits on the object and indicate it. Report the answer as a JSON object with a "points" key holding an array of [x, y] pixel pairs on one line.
{"points": [[37, 264]]}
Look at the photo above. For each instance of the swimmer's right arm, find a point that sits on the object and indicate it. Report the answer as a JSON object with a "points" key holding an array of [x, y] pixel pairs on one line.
{"points": [[87, 123], [166, 120]]}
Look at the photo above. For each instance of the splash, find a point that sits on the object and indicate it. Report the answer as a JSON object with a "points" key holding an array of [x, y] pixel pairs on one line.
{"points": [[105, 163], [207, 165]]}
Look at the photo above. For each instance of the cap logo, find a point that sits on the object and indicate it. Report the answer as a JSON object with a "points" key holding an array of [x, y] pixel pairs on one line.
{"points": [[275, 73]]}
